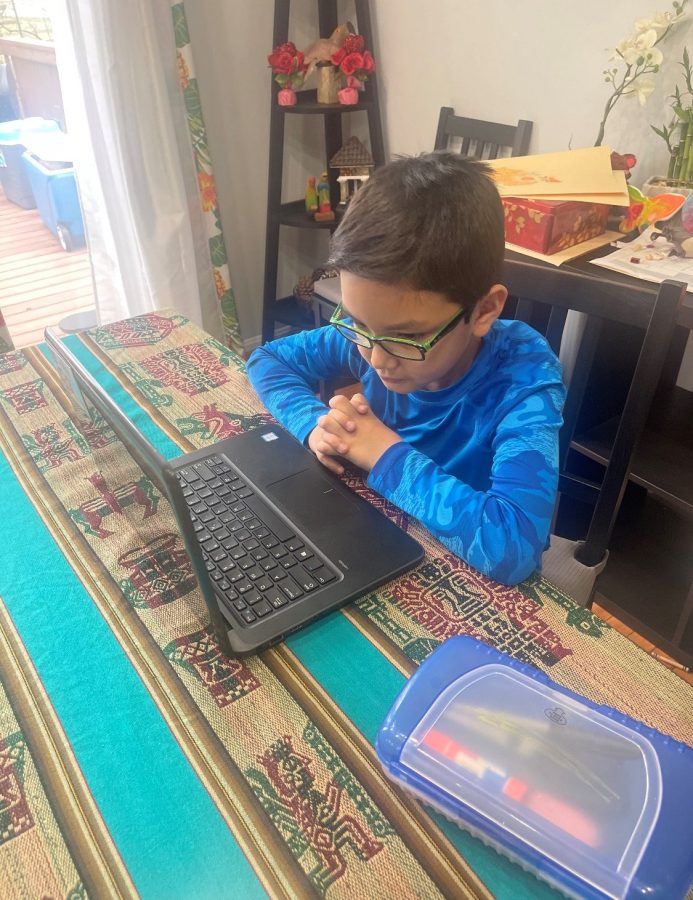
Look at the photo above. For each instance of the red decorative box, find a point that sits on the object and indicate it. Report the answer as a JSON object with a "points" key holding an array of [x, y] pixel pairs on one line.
{"points": [[548, 226]]}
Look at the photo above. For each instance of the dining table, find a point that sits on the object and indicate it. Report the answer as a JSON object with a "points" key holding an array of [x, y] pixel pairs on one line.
{"points": [[137, 759]]}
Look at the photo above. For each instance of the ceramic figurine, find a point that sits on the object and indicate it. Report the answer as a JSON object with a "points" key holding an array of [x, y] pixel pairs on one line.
{"points": [[311, 196], [325, 212]]}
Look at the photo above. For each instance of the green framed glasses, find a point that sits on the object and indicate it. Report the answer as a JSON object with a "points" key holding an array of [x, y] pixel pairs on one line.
{"points": [[403, 348]]}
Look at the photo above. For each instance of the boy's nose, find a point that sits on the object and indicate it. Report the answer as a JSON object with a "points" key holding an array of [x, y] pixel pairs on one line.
{"points": [[381, 359]]}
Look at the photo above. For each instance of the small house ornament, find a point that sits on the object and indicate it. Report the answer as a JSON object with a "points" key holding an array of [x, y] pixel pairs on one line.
{"points": [[354, 163]]}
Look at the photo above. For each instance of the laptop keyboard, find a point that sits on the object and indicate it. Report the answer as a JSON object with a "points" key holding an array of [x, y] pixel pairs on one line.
{"points": [[259, 564]]}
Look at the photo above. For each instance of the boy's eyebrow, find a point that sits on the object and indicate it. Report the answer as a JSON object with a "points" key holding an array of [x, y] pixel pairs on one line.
{"points": [[401, 326]]}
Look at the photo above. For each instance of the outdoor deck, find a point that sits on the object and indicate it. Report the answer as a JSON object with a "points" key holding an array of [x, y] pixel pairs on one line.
{"points": [[40, 283]]}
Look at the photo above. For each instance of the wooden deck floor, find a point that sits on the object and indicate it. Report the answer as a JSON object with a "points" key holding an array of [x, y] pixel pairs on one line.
{"points": [[40, 283]]}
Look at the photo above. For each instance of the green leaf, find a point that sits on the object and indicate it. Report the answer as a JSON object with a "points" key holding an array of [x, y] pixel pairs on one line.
{"points": [[217, 250], [180, 25], [191, 96]]}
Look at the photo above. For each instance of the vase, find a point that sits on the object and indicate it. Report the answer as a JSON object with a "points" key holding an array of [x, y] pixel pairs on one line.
{"points": [[286, 97], [661, 184], [329, 83], [349, 96]]}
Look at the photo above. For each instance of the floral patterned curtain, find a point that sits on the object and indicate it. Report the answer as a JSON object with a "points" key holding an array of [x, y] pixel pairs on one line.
{"points": [[205, 178], [5, 339]]}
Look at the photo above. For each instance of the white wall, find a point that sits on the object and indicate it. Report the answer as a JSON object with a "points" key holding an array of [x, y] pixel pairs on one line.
{"points": [[538, 59]]}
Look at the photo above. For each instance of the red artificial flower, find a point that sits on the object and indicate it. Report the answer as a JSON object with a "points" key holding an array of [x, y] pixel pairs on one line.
{"points": [[351, 63], [281, 59], [354, 43], [338, 57], [283, 63], [368, 63]]}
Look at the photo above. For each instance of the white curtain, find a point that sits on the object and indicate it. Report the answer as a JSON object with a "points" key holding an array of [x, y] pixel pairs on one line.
{"points": [[133, 159]]}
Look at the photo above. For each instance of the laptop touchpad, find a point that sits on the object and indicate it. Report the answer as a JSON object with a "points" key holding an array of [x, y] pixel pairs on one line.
{"points": [[310, 499]]}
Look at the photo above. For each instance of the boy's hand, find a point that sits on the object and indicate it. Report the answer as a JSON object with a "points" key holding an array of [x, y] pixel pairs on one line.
{"points": [[352, 431]]}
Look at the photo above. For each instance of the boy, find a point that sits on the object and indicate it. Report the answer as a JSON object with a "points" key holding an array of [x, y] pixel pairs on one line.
{"points": [[458, 419]]}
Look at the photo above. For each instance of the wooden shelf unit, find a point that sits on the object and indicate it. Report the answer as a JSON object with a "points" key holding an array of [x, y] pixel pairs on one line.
{"points": [[292, 214]]}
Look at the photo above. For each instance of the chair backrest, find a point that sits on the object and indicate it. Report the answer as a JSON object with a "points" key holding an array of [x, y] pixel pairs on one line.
{"points": [[482, 140], [600, 299]]}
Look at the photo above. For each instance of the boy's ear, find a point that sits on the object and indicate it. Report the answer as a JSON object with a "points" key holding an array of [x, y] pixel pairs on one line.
{"points": [[488, 309]]}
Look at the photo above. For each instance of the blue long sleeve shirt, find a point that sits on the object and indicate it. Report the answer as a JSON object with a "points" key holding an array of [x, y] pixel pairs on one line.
{"points": [[478, 460]]}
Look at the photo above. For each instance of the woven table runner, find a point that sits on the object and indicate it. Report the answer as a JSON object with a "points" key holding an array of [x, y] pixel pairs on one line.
{"points": [[145, 763]]}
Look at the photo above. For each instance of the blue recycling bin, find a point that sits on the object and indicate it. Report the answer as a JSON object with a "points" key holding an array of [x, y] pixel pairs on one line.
{"points": [[13, 141], [48, 167]]}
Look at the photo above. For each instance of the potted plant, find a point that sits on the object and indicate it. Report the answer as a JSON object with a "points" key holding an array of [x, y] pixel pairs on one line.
{"points": [[289, 68], [356, 64], [678, 136]]}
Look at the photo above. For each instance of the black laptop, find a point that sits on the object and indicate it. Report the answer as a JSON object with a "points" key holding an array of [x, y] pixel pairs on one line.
{"points": [[275, 539]]}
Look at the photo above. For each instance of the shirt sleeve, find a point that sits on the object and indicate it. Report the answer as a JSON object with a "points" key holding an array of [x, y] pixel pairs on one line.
{"points": [[286, 374], [502, 531]]}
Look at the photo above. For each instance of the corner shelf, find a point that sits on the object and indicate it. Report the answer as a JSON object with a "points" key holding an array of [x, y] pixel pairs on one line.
{"points": [[307, 104], [293, 214]]}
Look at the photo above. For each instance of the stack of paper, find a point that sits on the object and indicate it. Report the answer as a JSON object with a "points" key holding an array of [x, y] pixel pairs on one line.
{"points": [[585, 175]]}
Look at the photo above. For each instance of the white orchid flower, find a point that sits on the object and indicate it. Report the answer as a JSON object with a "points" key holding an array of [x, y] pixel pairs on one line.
{"points": [[660, 21], [639, 46], [641, 88]]}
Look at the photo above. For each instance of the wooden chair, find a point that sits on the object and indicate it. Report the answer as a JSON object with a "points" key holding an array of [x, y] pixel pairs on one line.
{"points": [[575, 565], [480, 139]]}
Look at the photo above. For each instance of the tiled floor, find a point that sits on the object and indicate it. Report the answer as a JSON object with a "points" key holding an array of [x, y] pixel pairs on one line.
{"points": [[642, 642]]}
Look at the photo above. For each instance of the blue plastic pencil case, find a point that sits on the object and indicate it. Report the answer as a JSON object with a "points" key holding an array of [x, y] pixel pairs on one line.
{"points": [[585, 797]]}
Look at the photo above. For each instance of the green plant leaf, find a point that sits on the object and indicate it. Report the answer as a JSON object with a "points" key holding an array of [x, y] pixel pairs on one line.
{"points": [[180, 25], [217, 250]]}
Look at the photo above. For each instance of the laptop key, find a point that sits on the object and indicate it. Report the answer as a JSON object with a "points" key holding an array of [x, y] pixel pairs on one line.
{"points": [[294, 544], [239, 604], [261, 532], [291, 589], [312, 564], [244, 492], [305, 580], [243, 586], [210, 545], [248, 616], [254, 573], [264, 583], [275, 598], [203, 472], [262, 608], [217, 576], [272, 521], [227, 565], [323, 575], [259, 554], [252, 597], [268, 564]]}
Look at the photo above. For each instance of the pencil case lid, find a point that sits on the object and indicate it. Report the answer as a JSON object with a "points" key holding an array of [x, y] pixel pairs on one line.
{"points": [[587, 798]]}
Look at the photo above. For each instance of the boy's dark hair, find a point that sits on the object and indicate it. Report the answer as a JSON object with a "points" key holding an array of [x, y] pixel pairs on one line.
{"points": [[432, 222]]}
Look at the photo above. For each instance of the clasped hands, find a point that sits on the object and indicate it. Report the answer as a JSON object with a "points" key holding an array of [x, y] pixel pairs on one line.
{"points": [[350, 431]]}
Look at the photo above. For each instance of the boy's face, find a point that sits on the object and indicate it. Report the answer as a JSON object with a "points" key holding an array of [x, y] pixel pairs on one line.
{"points": [[387, 310]]}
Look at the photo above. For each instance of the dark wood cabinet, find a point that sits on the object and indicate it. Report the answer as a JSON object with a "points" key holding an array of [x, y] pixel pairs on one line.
{"points": [[292, 214]]}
